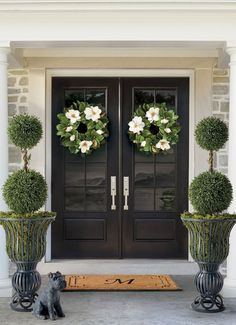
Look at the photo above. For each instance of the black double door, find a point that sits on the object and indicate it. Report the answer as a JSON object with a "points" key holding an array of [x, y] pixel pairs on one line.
{"points": [[149, 192]]}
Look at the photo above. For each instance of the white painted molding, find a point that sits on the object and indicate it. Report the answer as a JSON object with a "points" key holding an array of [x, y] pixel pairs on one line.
{"points": [[119, 72], [115, 5], [4, 51], [4, 44], [5, 287], [77, 52], [232, 52]]}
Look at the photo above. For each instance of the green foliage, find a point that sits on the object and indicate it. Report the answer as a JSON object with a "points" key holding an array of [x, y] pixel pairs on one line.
{"points": [[147, 140], [197, 216], [91, 133], [210, 193], [211, 133], [25, 131], [25, 191]]}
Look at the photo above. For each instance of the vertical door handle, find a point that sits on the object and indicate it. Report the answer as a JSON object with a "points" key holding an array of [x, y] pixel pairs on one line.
{"points": [[126, 191], [113, 192]]}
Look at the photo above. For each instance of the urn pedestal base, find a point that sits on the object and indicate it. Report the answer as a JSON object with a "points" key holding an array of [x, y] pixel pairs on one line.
{"points": [[208, 284], [25, 284]]}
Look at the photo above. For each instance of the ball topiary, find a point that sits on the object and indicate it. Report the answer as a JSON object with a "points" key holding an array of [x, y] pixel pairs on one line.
{"points": [[211, 133], [210, 192], [25, 131], [25, 191]]}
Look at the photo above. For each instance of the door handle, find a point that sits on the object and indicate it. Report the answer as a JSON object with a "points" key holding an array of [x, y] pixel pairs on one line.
{"points": [[126, 191], [113, 192]]}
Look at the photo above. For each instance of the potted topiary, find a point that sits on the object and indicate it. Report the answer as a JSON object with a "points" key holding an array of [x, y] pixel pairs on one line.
{"points": [[209, 227], [25, 192]]}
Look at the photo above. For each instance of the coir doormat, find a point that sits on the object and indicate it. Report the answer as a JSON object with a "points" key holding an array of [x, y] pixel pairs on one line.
{"points": [[120, 282]]}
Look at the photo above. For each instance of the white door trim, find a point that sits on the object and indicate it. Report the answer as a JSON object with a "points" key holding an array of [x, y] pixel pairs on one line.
{"points": [[113, 73]]}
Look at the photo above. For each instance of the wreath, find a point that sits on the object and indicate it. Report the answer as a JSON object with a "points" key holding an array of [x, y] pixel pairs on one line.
{"points": [[154, 128], [82, 127]]}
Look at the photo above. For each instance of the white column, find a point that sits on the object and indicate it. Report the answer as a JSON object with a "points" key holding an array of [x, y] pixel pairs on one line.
{"points": [[5, 283], [229, 289]]}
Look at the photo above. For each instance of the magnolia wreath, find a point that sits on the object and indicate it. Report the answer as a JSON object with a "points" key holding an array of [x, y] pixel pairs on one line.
{"points": [[82, 128], [154, 128]]}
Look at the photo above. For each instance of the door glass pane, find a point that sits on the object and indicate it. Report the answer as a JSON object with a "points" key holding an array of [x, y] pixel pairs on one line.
{"points": [[73, 95], [99, 155], [143, 96], [95, 97], [142, 157], [167, 96], [74, 199], [144, 199], [96, 174], [165, 199], [144, 175], [167, 157], [70, 157], [95, 199], [165, 175], [74, 174]]}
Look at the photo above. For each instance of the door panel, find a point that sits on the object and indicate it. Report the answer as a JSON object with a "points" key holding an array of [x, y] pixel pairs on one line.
{"points": [[85, 224], [158, 184]]}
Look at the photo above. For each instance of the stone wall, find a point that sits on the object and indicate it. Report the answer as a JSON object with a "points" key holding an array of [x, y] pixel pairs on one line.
{"points": [[220, 108], [18, 88]]}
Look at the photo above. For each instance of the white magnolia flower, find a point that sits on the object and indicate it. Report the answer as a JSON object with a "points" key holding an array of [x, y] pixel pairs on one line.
{"points": [[163, 144], [72, 137], [143, 143], [167, 130], [85, 146], [92, 113], [164, 121], [69, 128], [153, 114], [99, 132], [73, 115], [136, 125]]}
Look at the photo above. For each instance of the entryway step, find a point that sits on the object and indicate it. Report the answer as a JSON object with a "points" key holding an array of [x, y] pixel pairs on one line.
{"points": [[126, 266]]}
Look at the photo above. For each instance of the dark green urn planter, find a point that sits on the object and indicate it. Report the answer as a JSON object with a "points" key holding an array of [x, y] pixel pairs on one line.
{"points": [[26, 246], [209, 247]]}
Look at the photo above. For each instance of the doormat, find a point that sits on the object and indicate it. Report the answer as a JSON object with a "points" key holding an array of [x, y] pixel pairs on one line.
{"points": [[120, 282]]}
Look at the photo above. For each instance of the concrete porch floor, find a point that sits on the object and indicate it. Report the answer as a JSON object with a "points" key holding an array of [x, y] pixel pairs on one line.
{"points": [[128, 308]]}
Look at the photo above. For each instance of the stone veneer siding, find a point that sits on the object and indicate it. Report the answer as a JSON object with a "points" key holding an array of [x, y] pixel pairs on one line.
{"points": [[220, 108], [18, 88]]}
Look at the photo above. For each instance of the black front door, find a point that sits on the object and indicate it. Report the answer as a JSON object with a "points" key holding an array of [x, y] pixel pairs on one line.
{"points": [[149, 224]]}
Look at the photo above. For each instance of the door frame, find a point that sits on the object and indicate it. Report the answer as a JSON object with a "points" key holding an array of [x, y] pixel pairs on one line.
{"points": [[112, 73]]}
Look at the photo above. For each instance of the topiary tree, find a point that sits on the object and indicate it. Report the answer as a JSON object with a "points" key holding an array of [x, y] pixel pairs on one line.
{"points": [[211, 134], [25, 190], [25, 132], [211, 192]]}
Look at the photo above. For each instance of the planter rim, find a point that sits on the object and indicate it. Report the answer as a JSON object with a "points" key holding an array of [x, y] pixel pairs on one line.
{"points": [[28, 219], [208, 220]]}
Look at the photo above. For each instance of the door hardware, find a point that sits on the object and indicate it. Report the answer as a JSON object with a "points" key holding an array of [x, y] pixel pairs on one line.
{"points": [[126, 191]]}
